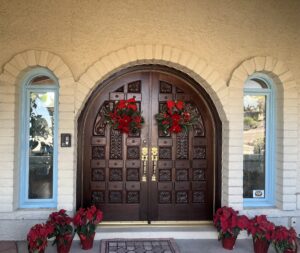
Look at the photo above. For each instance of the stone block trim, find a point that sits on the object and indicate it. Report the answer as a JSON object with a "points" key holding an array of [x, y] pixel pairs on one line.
{"points": [[10, 80], [151, 54], [287, 99]]}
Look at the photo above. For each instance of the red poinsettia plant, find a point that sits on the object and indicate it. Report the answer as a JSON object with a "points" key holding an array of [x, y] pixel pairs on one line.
{"points": [[86, 220], [261, 228], [229, 223], [175, 118], [62, 228], [125, 116], [284, 240], [37, 237]]}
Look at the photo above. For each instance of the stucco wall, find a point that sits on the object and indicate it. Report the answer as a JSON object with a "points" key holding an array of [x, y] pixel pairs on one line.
{"points": [[216, 42], [224, 33]]}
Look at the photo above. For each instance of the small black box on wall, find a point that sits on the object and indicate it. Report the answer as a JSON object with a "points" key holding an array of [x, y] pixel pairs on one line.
{"points": [[65, 140]]}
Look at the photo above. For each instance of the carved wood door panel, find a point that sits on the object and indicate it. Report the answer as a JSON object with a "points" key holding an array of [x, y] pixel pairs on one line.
{"points": [[178, 186], [184, 186]]}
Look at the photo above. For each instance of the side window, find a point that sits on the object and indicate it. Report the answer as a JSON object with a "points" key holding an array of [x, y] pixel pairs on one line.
{"points": [[39, 140], [259, 142]]}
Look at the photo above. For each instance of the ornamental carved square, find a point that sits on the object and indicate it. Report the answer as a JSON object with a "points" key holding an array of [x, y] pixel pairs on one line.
{"points": [[133, 174], [115, 174], [165, 153], [98, 174], [98, 197], [98, 152], [133, 153]]}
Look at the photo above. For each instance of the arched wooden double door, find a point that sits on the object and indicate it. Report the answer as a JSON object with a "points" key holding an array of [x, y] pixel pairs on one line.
{"points": [[118, 172]]}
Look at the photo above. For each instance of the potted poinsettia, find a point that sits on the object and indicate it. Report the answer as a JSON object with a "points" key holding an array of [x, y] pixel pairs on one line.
{"points": [[229, 224], [261, 230], [63, 230], [125, 116], [284, 240], [85, 221], [37, 237]]}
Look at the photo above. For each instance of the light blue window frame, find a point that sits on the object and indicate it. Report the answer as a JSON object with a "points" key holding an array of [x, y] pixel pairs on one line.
{"points": [[26, 89], [270, 142]]}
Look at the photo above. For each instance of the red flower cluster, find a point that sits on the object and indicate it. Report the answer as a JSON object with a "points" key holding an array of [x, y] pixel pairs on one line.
{"points": [[125, 116], [86, 220], [175, 118], [61, 223], [229, 223], [284, 240], [260, 228], [37, 237]]}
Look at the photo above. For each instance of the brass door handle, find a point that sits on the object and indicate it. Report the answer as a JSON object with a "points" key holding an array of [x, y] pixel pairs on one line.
{"points": [[144, 159], [154, 159]]}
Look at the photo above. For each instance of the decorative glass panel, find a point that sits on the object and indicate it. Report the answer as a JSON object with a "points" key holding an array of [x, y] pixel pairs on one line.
{"points": [[134, 87], [254, 145], [41, 128]]}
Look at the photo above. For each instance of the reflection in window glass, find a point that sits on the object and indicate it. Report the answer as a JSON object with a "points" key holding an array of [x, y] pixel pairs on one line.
{"points": [[41, 128], [254, 145]]}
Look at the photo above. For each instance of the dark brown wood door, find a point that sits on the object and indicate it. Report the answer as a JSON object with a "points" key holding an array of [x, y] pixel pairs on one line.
{"points": [[178, 186]]}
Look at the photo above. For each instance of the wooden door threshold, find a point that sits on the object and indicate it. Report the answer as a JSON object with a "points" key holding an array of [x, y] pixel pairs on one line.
{"points": [[124, 223], [181, 223], [154, 223]]}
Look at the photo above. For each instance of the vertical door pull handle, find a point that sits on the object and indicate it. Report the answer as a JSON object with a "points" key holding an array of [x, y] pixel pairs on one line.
{"points": [[144, 159], [154, 161]]}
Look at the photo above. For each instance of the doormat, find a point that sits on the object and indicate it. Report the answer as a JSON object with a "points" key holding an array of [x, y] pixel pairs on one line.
{"points": [[139, 246]]}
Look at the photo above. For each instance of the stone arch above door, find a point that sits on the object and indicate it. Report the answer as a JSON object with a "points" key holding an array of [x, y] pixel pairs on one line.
{"points": [[95, 153], [185, 61]]}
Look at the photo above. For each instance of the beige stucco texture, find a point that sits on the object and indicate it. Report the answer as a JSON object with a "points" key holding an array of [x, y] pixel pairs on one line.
{"points": [[224, 33]]}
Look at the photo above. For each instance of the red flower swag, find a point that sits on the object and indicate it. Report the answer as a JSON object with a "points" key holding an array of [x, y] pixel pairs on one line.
{"points": [[125, 116], [175, 118]]}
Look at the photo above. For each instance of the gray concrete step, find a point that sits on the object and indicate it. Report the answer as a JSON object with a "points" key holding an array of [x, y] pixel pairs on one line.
{"points": [[185, 246]]}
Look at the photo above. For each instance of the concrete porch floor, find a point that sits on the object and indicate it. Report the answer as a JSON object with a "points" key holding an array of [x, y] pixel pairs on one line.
{"points": [[185, 246]]}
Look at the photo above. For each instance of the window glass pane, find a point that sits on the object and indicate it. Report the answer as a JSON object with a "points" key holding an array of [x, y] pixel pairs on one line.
{"points": [[255, 84], [254, 146], [41, 127], [42, 80]]}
